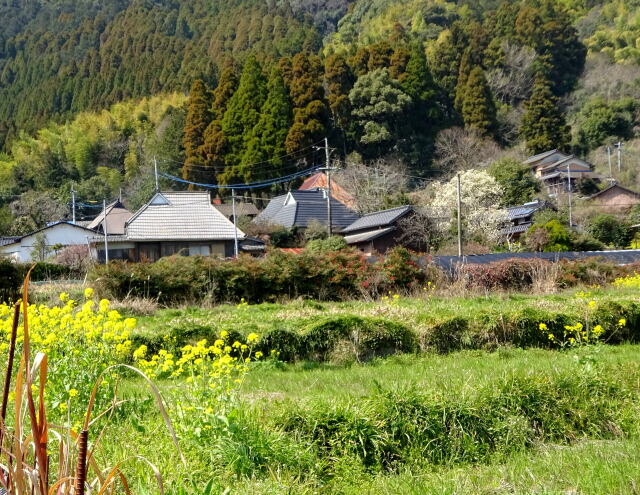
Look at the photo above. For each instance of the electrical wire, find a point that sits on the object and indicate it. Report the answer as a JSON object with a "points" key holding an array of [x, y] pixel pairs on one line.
{"points": [[253, 185]]}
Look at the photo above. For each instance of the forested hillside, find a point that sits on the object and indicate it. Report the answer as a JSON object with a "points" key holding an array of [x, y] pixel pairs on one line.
{"points": [[91, 93]]}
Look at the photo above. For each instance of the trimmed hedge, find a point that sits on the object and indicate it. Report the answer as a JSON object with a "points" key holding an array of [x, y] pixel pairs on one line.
{"points": [[335, 275]]}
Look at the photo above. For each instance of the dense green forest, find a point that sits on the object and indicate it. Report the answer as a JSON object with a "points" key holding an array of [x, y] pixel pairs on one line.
{"points": [[92, 94]]}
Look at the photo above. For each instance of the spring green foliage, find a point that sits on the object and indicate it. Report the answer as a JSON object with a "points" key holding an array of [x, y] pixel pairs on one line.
{"points": [[378, 103], [610, 230], [517, 182]]}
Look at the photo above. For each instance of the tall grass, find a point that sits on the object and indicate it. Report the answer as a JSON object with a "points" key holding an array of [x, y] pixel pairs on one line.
{"points": [[30, 464]]}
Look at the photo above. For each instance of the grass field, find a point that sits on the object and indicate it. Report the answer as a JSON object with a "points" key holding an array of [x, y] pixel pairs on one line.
{"points": [[504, 420]]}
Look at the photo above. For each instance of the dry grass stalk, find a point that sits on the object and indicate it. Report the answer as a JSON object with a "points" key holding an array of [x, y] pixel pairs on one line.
{"points": [[24, 448]]}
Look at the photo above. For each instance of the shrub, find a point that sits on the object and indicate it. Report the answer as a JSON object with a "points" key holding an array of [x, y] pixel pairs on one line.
{"points": [[285, 343], [512, 274], [365, 338], [610, 230], [333, 243], [10, 281]]}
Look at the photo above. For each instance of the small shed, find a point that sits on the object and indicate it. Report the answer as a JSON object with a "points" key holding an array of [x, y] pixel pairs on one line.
{"points": [[377, 232], [616, 198]]}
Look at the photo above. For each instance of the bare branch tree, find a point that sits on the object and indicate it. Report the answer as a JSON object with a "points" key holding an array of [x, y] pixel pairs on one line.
{"points": [[462, 149], [511, 83], [422, 230], [374, 183]]}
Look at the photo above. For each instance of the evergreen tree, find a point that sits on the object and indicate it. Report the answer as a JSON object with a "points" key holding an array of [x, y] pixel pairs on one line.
{"points": [[478, 107], [543, 124], [445, 57], [381, 108], [242, 115], [196, 122], [227, 85], [215, 143], [339, 80], [463, 77], [265, 145], [310, 112], [425, 116]]}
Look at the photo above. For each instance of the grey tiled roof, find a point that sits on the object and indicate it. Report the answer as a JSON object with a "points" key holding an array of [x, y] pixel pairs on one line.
{"points": [[367, 236], [525, 210], [4, 241], [540, 156], [299, 208], [516, 229], [379, 219], [184, 215], [242, 209]]}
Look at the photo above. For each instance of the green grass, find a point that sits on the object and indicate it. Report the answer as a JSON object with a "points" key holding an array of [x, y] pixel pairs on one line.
{"points": [[459, 374], [590, 458], [418, 312], [511, 421], [587, 468]]}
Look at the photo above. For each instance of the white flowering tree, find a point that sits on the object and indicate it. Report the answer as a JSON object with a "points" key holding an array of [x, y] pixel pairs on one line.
{"points": [[482, 215]]}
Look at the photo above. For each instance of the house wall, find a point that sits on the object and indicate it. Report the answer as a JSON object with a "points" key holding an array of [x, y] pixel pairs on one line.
{"points": [[62, 234], [153, 251], [617, 199]]}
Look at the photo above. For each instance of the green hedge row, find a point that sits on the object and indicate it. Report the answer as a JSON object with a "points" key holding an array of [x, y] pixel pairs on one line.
{"points": [[12, 275], [333, 275], [347, 337]]}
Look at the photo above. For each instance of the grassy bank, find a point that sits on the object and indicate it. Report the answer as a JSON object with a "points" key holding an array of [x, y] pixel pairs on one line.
{"points": [[308, 330], [512, 421]]}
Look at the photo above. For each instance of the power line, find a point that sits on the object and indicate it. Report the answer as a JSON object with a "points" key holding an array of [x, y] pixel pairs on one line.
{"points": [[254, 185]]}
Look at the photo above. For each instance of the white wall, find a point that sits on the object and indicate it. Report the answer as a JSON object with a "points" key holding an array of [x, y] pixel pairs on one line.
{"points": [[60, 234]]}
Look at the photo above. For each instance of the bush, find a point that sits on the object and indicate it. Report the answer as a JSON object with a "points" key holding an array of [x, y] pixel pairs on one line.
{"points": [[360, 338], [10, 281], [511, 274], [610, 230], [332, 275]]}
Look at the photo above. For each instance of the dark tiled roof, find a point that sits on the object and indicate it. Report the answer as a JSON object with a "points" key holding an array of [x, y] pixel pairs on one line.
{"points": [[540, 156], [379, 219], [8, 240], [367, 236], [299, 208], [525, 210], [516, 229]]}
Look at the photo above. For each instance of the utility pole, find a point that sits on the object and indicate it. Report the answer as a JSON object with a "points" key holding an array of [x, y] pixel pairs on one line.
{"points": [[235, 222], [570, 191], [104, 229], [459, 217], [619, 146], [328, 168], [73, 205], [155, 168], [609, 157]]}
